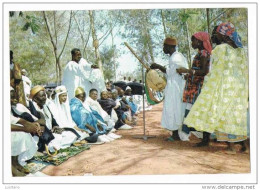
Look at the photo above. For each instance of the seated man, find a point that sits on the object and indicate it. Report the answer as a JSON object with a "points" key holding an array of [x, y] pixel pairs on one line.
{"points": [[23, 145], [110, 105], [129, 100], [62, 138], [124, 105], [86, 118], [61, 112], [93, 103]]}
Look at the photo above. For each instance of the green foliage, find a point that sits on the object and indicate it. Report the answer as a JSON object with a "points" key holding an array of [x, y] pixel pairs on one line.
{"points": [[109, 56], [142, 29]]}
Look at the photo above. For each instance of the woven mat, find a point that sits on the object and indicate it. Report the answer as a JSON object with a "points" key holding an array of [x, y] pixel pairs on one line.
{"points": [[40, 161]]}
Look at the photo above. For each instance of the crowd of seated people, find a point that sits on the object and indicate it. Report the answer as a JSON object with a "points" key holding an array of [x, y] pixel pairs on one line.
{"points": [[44, 121], [49, 121]]}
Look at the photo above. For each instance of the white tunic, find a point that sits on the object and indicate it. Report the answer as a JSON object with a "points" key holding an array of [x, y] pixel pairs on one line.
{"points": [[27, 84], [97, 107], [60, 141], [82, 75], [23, 144], [173, 107]]}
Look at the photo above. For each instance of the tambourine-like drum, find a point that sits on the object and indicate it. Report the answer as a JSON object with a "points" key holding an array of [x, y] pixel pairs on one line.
{"points": [[155, 80], [155, 83]]}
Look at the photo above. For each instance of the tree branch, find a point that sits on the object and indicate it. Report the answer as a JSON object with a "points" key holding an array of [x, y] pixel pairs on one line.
{"points": [[55, 30], [48, 29], [66, 36]]}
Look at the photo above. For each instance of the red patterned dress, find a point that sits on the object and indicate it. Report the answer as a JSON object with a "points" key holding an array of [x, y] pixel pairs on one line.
{"points": [[194, 83]]}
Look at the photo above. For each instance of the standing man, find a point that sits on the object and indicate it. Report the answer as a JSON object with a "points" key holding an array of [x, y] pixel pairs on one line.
{"points": [[78, 72], [173, 107], [16, 80]]}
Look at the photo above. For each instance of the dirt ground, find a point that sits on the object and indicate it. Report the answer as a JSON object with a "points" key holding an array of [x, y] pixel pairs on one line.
{"points": [[132, 156]]}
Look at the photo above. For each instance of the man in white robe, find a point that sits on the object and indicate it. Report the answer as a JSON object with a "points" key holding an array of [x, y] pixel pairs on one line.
{"points": [[27, 84], [62, 139], [79, 73], [91, 100], [23, 144], [61, 111], [173, 107]]}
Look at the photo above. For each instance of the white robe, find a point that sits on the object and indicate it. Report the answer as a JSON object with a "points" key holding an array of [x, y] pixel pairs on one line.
{"points": [[60, 141], [97, 107], [173, 107], [27, 84], [23, 144], [82, 75], [62, 115]]}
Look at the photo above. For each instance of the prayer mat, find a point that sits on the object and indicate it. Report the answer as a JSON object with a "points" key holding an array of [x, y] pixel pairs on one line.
{"points": [[35, 166], [62, 156]]}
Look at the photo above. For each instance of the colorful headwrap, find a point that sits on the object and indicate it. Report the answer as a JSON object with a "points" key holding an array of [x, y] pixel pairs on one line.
{"points": [[205, 38], [79, 90], [228, 29], [35, 90], [170, 41]]}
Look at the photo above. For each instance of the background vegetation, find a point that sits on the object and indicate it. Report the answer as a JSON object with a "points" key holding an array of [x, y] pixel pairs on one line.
{"points": [[42, 41]]}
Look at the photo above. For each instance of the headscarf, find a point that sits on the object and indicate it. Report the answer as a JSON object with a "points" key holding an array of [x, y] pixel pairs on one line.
{"points": [[228, 29], [35, 90], [61, 112], [170, 41], [205, 38]]}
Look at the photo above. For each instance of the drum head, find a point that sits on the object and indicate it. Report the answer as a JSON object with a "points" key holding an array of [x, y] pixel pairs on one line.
{"points": [[155, 82]]}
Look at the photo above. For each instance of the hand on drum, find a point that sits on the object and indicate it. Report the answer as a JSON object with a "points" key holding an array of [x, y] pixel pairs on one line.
{"points": [[154, 66]]}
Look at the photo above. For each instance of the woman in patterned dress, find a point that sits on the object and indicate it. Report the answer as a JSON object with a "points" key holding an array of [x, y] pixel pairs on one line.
{"points": [[223, 102], [195, 75]]}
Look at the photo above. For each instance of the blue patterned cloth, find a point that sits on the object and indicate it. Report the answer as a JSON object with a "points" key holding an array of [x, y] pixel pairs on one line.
{"points": [[81, 116]]}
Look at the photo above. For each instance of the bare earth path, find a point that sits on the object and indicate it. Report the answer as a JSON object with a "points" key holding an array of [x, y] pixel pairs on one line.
{"points": [[130, 156]]}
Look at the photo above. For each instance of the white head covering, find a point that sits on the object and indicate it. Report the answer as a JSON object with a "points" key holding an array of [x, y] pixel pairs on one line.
{"points": [[23, 70], [128, 88], [61, 112]]}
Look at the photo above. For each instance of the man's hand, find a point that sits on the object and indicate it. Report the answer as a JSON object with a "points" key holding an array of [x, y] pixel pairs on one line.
{"points": [[94, 67], [182, 70], [79, 129], [100, 127], [154, 66], [57, 130], [92, 129], [40, 130], [32, 127]]}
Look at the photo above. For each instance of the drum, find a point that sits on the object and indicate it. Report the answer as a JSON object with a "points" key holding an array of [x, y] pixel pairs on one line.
{"points": [[155, 83]]}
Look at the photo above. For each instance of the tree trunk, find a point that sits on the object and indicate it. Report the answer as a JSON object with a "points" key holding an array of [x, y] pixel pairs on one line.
{"points": [[208, 19], [164, 26], [188, 39], [149, 40], [57, 57], [95, 41], [113, 59]]}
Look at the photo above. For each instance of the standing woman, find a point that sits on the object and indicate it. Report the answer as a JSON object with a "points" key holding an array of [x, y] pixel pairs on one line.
{"points": [[195, 76], [222, 104]]}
